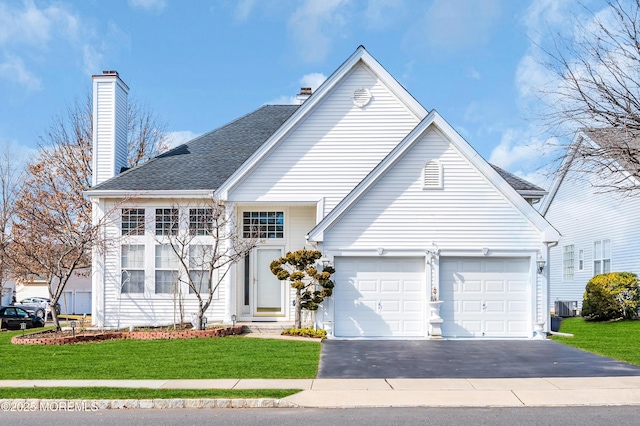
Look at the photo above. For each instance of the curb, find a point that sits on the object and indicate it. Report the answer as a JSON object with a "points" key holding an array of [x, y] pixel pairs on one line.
{"points": [[128, 404]]}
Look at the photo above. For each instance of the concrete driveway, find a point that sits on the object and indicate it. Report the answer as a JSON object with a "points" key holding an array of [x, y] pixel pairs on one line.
{"points": [[463, 359]]}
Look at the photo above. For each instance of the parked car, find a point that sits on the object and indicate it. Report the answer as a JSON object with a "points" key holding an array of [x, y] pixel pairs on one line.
{"points": [[12, 316], [39, 304]]}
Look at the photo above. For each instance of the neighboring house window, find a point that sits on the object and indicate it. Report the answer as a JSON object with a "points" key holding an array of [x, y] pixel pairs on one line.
{"points": [[601, 257], [200, 221], [567, 263], [432, 176], [166, 221], [263, 225], [580, 260], [132, 221], [166, 269], [132, 267], [199, 266]]}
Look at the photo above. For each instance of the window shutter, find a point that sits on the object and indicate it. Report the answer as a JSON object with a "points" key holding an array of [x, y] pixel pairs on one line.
{"points": [[432, 176]]}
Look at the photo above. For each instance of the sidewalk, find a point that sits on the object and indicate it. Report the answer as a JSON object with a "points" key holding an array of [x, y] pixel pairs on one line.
{"points": [[325, 393]]}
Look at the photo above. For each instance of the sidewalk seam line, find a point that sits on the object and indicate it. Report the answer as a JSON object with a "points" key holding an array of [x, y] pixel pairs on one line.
{"points": [[517, 397]]}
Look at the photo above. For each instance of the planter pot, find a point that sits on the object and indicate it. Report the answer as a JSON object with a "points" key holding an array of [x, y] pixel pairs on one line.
{"points": [[435, 322]]}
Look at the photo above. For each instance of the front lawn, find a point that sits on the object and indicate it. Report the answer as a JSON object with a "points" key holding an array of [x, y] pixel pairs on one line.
{"points": [[219, 358], [139, 393], [616, 339]]}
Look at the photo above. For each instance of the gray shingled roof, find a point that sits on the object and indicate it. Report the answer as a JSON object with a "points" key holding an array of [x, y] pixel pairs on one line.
{"points": [[206, 161], [516, 182]]}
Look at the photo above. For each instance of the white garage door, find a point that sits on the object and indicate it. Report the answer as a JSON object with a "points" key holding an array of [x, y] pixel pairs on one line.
{"points": [[485, 297], [83, 302], [379, 297]]}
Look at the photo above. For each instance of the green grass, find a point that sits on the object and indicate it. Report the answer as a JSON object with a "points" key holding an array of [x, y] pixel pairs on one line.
{"points": [[135, 393], [617, 339], [219, 358]]}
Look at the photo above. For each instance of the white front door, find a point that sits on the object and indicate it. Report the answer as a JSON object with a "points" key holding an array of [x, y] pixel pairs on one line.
{"points": [[379, 297], [485, 297], [268, 291]]}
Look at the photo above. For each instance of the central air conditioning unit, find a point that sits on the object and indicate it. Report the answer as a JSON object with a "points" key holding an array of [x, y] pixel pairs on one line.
{"points": [[566, 308]]}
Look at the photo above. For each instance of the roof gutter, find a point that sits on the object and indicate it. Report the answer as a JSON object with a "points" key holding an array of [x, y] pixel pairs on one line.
{"points": [[192, 193]]}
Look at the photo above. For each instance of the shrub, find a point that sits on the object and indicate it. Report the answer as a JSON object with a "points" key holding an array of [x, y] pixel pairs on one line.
{"points": [[305, 332], [611, 296]]}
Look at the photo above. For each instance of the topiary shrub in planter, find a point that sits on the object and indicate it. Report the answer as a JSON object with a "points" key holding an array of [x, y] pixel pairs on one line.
{"points": [[611, 296]]}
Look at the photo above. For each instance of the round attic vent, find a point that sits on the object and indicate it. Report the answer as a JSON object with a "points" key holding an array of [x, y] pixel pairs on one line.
{"points": [[361, 97]]}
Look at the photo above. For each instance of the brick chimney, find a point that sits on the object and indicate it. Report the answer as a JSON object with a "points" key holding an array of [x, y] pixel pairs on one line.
{"points": [[109, 126], [304, 94]]}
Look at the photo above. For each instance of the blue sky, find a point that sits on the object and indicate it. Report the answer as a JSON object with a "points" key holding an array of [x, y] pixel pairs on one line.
{"points": [[199, 64]]}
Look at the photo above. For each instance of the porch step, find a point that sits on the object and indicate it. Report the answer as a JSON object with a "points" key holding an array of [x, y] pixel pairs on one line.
{"points": [[265, 327]]}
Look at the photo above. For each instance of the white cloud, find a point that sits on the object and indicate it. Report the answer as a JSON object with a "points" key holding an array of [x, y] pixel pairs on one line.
{"points": [[243, 9], [156, 6], [379, 14], [179, 137], [13, 69], [313, 24], [474, 74], [454, 25]]}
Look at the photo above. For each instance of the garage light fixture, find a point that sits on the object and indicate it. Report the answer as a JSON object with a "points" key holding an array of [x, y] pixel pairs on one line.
{"points": [[540, 264]]}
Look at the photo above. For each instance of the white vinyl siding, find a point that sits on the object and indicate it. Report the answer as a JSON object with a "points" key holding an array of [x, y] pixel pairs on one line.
{"points": [[568, 263], [469, 213], [582, 215], [333, 148], [110, 134], [147, 307]]}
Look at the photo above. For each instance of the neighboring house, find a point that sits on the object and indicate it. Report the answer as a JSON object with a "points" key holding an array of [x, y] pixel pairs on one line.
{"points": [[6, 292], [76, 296], [390, 194], [600, 228]]}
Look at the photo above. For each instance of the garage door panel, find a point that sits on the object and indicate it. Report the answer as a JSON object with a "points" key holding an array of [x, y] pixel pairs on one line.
{"points": [[391, 306], [517, 286], [471, 306], [472, 286], [495, 306], [367, 285], [495, 286], [390, 286], [517, 307], [412, 306], [412, 286], [485, 297], [388, 300]]}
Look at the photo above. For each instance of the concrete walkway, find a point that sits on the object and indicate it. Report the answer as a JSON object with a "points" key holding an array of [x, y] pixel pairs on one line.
{"points": [[324, 393]]}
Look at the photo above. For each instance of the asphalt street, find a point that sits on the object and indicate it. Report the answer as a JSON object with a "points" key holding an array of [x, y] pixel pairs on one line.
{"points": [[569, 416]]}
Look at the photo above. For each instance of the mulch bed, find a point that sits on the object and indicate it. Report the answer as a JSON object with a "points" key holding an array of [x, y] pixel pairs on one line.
{"points": [[66, 337]]}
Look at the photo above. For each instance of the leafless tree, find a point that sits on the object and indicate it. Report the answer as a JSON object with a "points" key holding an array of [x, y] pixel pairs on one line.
{"points": [[204, 243], [53, 234], [11, 176], [597, 90]]}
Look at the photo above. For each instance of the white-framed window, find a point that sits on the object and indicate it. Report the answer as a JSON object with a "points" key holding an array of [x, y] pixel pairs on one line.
{"points": [[166, 274], [132, 268], [132, 222], [167, 221], [200, 256], [601, 256], [200, 221], [432, 175], [580, 260], [567, 263], [263, 225]]}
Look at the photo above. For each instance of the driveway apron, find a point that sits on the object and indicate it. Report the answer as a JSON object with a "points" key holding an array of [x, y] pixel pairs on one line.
{"points": [[463, 359]]}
